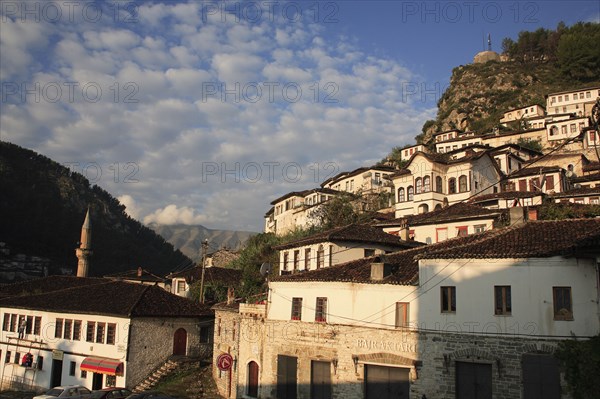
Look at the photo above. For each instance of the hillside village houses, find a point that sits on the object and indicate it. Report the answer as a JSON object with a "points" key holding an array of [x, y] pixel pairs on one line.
{"points": [[406, 324], [456, 166], [95, 332]]}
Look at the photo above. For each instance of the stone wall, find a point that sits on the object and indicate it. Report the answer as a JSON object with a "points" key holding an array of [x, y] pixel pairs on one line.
{"points": [[226, 338], [151, 343], [430, 357]]}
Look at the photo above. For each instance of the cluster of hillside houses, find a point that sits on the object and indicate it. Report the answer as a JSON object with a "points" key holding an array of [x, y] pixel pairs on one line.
{"points": [[453, 290]]}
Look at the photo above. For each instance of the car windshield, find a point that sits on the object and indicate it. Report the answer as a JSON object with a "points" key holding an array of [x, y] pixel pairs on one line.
{"points": [[54, 392]]}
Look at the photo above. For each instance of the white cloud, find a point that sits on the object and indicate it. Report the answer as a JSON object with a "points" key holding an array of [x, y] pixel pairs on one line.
{"points": [[172, 214], [172, 130]]}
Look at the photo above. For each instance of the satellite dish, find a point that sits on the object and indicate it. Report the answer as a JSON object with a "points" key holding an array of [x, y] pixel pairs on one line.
{"points": [[569, 173], [265, 269]]}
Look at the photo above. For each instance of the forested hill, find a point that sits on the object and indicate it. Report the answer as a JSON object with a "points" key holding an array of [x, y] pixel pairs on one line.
{"points": [[537, 63], [42, 208]]}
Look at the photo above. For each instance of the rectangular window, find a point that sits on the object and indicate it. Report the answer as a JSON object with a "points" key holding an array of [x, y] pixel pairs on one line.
{"points": [[441, 234], [76, 330], [285, 260], [307, 259], [111, 380], [296, 308], [6, 322], [58, 328], [111, 331], [89, 333], [72, 368], [462, 231], [7, 357], [17, 358], [68, 330], [369, 252], [13, 322], [100, 333], [402, 314], [321, 310], [573, 127], [40, 362], [502, 300], [522, 185], [180, 286], [566, 97], [563, 309], [29, 325], [204, 335], [37, 325], [549, 182], [296, 260], [448, 301], [83, 374], [331, 255], [479, 228]]}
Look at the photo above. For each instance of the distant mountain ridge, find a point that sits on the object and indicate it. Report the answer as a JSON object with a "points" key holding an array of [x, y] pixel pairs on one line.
{"points": [[42, 208], [188, 238]]}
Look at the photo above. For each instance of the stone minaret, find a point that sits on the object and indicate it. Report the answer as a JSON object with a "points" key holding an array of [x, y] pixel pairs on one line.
{"points": [[84, 252]]}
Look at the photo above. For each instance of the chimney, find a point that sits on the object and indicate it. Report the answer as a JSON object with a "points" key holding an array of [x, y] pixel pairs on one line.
{"points": [[404, 231], [516, 216], [139, 271], [230, 295], [379, 270]]}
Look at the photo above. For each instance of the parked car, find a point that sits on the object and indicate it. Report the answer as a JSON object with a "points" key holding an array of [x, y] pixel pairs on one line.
{"points": [[111, 393], [68, 391], [150, 395]]}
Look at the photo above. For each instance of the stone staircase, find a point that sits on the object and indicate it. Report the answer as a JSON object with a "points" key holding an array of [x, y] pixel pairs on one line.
{"points": [[172, 364]]}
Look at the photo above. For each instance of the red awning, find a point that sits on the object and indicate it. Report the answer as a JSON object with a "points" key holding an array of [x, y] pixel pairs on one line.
{"points": [[102, 366]]}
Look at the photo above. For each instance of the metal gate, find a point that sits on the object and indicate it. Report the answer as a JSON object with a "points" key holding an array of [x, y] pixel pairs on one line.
{"points": [[541, 377], [386, 382], [320, 380], [287, 367], [473, 380]]}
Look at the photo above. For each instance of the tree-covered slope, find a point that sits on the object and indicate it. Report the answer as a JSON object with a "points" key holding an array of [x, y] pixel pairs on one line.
{"points": [[42, 208]]}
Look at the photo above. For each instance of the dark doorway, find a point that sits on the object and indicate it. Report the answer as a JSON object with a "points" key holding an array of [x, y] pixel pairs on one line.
{"points": [[541, 377], [386, 382], [320, 380], [253, 379], [287, 367], [97, 381], [180, 342], [473, 380], [56, 377]]}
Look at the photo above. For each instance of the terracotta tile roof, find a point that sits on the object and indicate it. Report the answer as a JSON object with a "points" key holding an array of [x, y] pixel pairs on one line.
{"points": [[356, 233], [133, 275], [578, 192], [506, 195], [458, 211], [586, 178], [47, 284], [357, 171], [304, 193], [533, 239], [404, 265], [595, 165], [111, 298], [534, 170], [224, 275]]}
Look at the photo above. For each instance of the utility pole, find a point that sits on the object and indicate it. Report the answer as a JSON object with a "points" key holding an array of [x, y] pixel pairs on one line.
{"points": [[204, 250]]}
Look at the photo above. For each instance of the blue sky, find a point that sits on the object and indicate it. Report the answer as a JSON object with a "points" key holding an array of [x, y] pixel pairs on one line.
{"points": [[202, 113]]}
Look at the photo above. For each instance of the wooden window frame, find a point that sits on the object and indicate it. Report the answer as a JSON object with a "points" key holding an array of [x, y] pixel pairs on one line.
{"points": [[503, 294], [100, 332], [402, 314], [90, 331], [77, 330], [111, 333], [58, 328], [449, 293], [562, 313], [321, 310], [296, 309]]}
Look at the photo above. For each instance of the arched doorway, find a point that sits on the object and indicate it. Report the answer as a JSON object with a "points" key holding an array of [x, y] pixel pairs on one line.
{"points": [[253, 379], [180, 342]]}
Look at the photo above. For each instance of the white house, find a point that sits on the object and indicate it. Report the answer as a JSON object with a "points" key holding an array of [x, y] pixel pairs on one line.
{"points": [[95, 332], [582, 196], [477, 316], [524, 113], [458, 220], [364, 180], [338, 245], [578, 102], [430, 181]]}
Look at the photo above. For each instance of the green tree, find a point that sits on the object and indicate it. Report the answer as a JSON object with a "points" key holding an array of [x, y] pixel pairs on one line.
{"points": [[581, 362], [535, 145], [579, 52]]}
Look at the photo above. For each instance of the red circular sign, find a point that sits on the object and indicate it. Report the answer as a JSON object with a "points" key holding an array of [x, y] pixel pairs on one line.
{"points": [[224, 361]]}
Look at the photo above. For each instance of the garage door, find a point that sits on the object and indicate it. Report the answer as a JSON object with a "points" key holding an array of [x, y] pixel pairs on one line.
{"points": [[287, 367], [386, 382], [541, 377], [473, 380]]}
